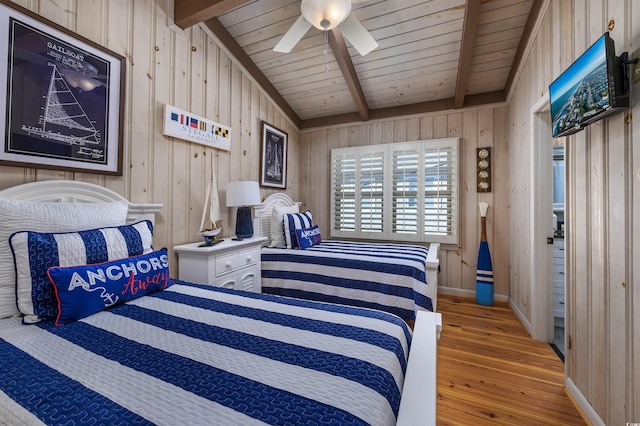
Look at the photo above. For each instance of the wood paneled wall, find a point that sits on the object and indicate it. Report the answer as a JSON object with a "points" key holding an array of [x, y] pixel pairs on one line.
{"points": [[483, 127], [602, 211], [186, 69], [189, 70]]}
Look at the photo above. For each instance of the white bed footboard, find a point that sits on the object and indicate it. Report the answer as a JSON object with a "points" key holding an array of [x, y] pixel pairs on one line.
{"points": [[433, 266], [418, 403]]}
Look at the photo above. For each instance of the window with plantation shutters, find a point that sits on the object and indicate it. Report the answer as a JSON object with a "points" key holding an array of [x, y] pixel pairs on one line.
{"points": [[404, 191]]}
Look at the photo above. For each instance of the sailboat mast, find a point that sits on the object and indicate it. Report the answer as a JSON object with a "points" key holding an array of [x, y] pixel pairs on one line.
{"points": [[214, 207], [211, 203]]}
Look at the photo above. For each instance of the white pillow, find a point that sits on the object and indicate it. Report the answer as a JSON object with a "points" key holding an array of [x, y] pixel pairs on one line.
{"points": [[20, 215], [276, 229]]}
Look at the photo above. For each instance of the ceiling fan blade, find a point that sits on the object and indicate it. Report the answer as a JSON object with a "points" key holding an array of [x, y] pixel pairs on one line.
{"points": [[357, 35], [293, 35]]}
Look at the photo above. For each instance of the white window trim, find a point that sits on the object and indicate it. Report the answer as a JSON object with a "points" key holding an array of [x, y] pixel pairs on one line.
{"points": [[387, 150]]}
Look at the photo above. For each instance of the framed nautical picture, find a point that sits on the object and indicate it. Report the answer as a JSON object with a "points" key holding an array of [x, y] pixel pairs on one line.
{"points": [[274, 157], [61, 97]]}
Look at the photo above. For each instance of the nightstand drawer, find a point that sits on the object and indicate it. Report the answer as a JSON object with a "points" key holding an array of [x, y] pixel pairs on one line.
{"points": [[249, 257], [227, 263], [233, 261]]}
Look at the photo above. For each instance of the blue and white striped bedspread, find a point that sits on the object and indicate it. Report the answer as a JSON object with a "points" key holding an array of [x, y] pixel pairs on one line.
{"points": [[389, 277], [198, 355]]}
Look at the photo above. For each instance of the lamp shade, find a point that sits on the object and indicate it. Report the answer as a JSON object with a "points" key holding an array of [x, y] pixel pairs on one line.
{"points": [[325, 14], [243, 193]]}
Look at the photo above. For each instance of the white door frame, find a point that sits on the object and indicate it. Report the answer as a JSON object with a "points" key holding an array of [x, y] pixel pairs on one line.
{"points": [[541, 205]]}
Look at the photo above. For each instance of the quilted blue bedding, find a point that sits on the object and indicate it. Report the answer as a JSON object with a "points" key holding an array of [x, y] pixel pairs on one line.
{"points": [[194, 354], [389, 277]]}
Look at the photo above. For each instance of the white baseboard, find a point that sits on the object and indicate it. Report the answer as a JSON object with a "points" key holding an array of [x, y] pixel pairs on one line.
{"points": [[468, 293], [582, 402], [521, 317]]}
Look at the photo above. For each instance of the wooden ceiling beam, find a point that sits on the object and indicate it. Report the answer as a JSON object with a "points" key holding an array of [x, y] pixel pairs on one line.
{"points": [[471, 15], [234, 48], [485, 98], [341, 53], [402, 110], [187, 13]]}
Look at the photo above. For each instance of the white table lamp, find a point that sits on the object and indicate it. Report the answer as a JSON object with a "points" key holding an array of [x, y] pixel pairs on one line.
{"points": [[243, 194]]}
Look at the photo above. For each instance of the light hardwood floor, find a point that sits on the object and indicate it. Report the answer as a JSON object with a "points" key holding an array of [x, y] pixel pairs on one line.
{"points": [[491, 372]]}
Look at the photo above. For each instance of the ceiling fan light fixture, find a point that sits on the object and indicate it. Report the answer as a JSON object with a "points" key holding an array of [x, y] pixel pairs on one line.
{"points": [[325, 14]]}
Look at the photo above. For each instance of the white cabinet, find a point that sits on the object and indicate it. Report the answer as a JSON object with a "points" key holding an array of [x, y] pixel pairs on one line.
{"points": [[558, 278], [229, 264]]}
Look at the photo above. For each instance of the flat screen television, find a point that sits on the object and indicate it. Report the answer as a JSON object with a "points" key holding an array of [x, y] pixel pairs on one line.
{"points": [[592, 88]]}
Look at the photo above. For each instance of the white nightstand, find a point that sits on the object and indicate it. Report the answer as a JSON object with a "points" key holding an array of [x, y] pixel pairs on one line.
{"points": [[229, 264]]}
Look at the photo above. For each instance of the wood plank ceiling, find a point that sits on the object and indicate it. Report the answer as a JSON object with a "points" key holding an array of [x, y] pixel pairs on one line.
{"points": [[432, 54]]}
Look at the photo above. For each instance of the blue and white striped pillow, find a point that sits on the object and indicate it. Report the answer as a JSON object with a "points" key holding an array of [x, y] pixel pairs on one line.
{"points": [[35, 252], [293, 221]]}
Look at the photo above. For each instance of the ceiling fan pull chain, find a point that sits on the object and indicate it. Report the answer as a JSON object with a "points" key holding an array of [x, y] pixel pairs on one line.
{"points": [[326, 51]]}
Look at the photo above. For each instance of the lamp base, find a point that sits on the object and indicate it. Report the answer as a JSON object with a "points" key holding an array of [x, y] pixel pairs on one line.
{"points": [[244, 224]]}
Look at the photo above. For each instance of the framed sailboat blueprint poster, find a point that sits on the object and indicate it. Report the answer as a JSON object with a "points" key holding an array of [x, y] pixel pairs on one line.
{"points": [[61, 97], [274, 157]]}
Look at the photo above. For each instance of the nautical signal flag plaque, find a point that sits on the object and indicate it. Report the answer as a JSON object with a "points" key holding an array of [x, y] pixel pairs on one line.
{"points": [[184, 125]]}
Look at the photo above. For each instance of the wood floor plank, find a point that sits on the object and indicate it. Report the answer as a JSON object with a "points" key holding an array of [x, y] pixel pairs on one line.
{"points": [[528, 402], [491, 372]]}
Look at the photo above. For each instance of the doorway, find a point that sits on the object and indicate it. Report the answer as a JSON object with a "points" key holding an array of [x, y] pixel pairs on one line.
{"points": [[543, 225], [558, 246]]}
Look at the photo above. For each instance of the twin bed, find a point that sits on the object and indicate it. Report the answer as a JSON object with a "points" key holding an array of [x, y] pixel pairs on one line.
{"points": [[397, 278], [196, 354]]}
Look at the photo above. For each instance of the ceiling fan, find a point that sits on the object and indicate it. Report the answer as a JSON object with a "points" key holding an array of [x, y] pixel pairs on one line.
{"points": [[326, 15]]}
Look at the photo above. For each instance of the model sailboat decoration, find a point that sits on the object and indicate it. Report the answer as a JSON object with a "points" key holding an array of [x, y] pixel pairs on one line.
{"points": [[210, 226]]}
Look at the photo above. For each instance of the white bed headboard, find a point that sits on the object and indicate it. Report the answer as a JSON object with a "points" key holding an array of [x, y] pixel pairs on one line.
{"points": [[71, 191], [262, 213]]}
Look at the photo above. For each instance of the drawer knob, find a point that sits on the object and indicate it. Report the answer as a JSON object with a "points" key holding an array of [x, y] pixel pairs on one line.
{"points": [[249, 258], [227, 264]]}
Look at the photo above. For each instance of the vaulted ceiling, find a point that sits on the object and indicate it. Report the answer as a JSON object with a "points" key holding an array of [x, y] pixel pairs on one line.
{"points": [[432, 54]]}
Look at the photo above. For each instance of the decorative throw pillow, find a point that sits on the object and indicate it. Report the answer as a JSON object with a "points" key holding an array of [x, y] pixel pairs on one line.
{"points": [[85, 290], [308, 237], [35, 252], [293, 221], [19, 215], [276, 229]]}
